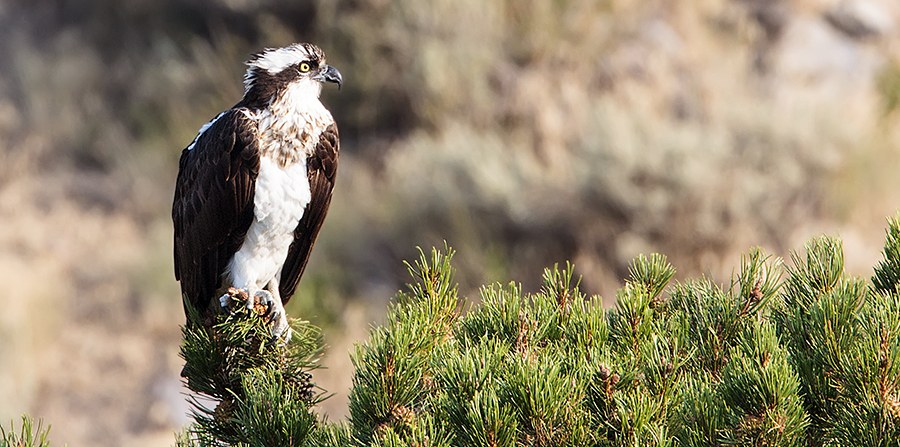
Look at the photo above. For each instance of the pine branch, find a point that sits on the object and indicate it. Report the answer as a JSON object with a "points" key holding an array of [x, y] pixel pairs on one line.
{"points": [[29, 435], [887, 272], [248, 389]]}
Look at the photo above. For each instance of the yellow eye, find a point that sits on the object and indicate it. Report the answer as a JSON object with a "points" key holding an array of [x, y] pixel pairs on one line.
{"points": [[304, 67]]}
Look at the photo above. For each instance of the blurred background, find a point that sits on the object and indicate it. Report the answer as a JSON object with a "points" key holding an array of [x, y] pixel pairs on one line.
{"points": [[523, 132]]}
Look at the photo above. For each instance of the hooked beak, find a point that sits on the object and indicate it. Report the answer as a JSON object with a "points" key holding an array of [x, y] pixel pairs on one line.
{"points": [[329, 74]]}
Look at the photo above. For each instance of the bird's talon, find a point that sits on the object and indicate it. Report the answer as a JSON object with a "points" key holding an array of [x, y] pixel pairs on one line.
{"points": [[232, 296], [262, 304]]}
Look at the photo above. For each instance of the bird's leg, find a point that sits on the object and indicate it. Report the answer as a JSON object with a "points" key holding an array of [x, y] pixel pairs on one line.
{"points": [[276, 313]]}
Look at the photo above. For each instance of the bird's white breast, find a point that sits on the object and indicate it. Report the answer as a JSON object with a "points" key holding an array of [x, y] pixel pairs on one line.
{"points": [[281, 197], [288, 131]]}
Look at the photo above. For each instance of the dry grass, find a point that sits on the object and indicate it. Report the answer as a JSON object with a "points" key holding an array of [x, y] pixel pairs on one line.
{"points": [[595, 131]]}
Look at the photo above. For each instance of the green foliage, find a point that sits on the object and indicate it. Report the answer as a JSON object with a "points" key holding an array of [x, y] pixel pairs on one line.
{"points": [[887, 272], [810, 358], [249, 389], [759, 389], [843, 337], [554, 368], [29, 435]]}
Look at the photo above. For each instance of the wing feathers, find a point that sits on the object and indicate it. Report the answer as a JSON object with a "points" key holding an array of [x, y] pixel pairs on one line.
{"points": [[321, 169], [213, 205]]}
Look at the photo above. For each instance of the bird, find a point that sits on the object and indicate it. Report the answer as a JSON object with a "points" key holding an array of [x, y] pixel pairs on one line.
{"points": [[254, 186]]}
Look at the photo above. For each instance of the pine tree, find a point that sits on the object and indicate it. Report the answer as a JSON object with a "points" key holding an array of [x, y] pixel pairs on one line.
{"points": [[802, 355], [249, 389]]}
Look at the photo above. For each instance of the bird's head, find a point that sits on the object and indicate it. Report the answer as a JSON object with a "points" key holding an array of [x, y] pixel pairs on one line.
{"points": [[299, 67]]}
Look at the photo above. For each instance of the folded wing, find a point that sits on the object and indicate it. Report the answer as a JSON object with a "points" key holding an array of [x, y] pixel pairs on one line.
{"points": [[213, 206], [321, 168]]}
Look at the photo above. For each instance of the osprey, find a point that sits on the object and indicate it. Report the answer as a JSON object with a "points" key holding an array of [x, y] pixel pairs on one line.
{"points": [[254, 186]]}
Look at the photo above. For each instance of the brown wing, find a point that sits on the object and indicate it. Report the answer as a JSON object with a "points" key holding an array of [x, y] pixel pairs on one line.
{"points": [[213, 205], [321, 167]]}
